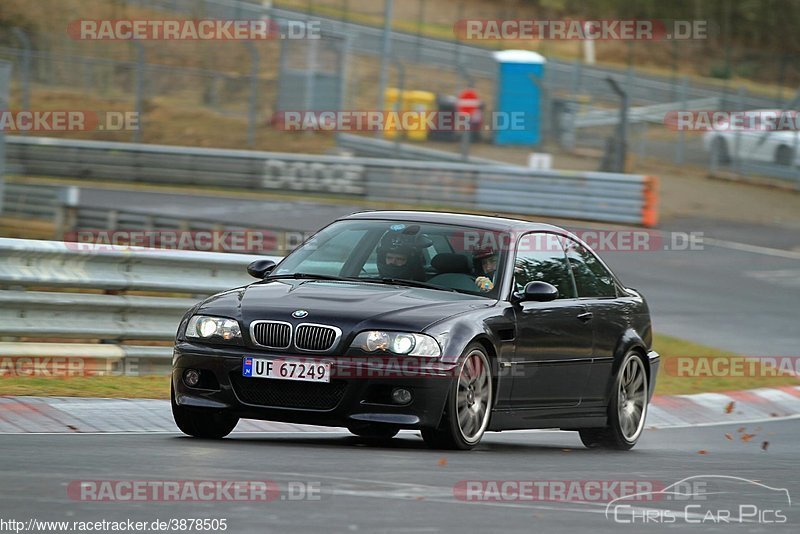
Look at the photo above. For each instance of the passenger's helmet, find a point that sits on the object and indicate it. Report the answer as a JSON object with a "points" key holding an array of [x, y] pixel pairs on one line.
{"points": [[481, 254]]}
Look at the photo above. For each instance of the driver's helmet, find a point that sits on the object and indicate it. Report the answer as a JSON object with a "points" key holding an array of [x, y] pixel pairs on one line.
{"points": [[404, 241]]}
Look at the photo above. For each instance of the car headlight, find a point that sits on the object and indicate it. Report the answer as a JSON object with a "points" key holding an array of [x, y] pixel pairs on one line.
{"points": [[207, 327], [403, 343]]}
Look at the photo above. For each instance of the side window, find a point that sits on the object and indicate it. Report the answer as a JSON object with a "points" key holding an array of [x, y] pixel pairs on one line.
{"points": [[540, 257], [591, 278]]}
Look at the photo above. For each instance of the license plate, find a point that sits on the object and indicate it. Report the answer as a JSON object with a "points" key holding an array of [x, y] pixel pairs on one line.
{"points": [[302, 370]]}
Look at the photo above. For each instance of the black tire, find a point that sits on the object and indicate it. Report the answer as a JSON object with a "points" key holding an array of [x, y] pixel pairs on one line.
{"points": [[614, 436], [449, 434], [719, 149], [373, 430], [784, 155], [202, 423]]}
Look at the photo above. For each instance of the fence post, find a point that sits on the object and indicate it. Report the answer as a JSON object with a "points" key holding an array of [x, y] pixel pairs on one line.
{"points": [[311, 72], [683, 89], [139, 90], [252, 110], [386, 49], [622, 131], [420, 22], [737, 141], [5, 81], [26, 69], [398, 104]]}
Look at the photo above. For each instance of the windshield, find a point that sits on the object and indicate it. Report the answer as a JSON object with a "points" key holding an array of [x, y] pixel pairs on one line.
{"points": [[439, 256]]}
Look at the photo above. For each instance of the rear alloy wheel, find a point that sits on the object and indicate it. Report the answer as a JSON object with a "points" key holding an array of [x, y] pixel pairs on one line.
{"points": [[468, 406], [373, 430], [202, 422], [627, 409]]}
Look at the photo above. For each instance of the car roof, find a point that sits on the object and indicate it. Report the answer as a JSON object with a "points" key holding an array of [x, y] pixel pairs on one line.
{"points": [[485, 222]]}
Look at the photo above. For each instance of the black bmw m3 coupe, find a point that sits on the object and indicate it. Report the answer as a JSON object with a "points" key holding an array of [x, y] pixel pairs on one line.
{"points": [[451, 324]]}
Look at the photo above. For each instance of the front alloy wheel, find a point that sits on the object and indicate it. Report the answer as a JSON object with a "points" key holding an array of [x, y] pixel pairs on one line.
{"points": [[626, 410], [468, 407]]}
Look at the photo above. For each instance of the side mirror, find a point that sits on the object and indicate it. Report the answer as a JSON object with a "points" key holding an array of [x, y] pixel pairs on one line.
{"points": [[539, 292], [260, 268]]}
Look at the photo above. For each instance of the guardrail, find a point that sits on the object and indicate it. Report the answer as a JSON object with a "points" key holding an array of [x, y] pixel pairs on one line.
{"points": [[381, 148], [609, 197], [654, 113], [39, 301], [72, 221]]}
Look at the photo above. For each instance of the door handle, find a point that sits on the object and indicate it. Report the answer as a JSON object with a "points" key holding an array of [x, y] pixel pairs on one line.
{"points": [[586, 317]]}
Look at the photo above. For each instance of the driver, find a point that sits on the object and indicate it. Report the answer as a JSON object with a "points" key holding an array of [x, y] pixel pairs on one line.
{"points": [[400, 257], [486, 266]]}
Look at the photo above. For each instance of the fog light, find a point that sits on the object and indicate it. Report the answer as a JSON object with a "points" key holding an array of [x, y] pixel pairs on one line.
{"points": [[401, 396], [191, 377]]}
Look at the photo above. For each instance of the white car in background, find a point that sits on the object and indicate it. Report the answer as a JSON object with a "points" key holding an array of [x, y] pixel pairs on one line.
{"points": [[781, 147]]}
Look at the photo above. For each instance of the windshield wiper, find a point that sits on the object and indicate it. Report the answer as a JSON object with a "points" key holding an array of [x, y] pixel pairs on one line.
{"points": [[404, 282]]}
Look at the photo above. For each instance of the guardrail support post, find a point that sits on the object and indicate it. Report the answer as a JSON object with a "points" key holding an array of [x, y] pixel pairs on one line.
{"points": [[66, 219]]}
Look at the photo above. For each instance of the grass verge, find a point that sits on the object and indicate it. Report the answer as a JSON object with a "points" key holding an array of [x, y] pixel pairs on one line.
{"points": [[157, 387]]}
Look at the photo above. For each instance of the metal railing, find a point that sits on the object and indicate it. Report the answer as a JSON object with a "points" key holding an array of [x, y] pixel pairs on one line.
{"points": [[38, 300], [609, 197]]}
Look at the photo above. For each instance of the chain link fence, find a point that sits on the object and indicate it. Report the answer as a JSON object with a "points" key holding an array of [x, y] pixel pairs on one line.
{"points": [[252, 80]]}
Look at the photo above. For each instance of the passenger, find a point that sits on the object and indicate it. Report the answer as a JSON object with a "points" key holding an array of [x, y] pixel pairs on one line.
{"points": [[486, 267]]}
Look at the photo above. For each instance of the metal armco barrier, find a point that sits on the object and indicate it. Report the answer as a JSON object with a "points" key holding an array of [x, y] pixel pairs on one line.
{"points": [[370, 147], [610, 197], [27, 311]]}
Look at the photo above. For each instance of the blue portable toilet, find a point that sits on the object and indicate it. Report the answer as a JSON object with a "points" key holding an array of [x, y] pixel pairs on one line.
{"points": [[518, 96]]}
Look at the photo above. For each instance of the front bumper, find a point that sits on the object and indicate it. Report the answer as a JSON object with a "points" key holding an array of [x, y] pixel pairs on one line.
{"points": [[353, 395]]}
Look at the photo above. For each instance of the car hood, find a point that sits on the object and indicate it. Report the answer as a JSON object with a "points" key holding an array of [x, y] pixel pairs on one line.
{"points": [[352, 306]]}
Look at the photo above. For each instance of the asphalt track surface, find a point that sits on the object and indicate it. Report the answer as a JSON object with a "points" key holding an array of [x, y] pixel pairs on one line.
{"points": [[401, 486], [740, 292]]}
